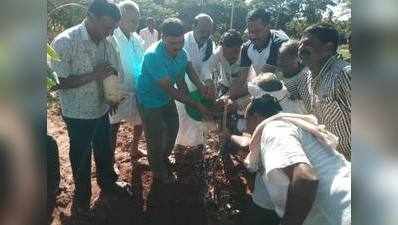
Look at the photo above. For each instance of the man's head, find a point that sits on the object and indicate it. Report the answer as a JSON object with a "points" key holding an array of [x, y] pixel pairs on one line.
{"points": [[130, 13], [173, 35], [318, 42], [104, 17], [258, 25], [260, 109], [150, 23], [231, 43], [288, 59], [202, 27]]}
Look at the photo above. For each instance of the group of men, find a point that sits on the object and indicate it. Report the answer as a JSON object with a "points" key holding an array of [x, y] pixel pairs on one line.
{"points": [[160, 78]]}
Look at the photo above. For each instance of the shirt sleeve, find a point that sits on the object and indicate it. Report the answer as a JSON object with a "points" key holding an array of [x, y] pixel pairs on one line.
{"points": [[62, 47], [245, 60], [343, 89], [281, 146], [154, 67]]}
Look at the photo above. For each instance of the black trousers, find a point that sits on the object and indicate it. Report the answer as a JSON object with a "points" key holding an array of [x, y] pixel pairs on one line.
{"points": [[84, 135], [256, 215]]}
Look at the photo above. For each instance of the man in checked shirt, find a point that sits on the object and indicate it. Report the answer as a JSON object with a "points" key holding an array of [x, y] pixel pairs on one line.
{"points": [[327, 88]]}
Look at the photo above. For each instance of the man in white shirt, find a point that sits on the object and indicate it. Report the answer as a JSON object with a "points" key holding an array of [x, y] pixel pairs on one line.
{"points": [[199, 48], [149, 34], [224, 65], [224, 68], [300, 174], [130, 48]]}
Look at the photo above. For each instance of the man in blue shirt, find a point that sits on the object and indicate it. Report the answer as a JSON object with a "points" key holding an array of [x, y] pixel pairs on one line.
{"points": [[164, 66]]}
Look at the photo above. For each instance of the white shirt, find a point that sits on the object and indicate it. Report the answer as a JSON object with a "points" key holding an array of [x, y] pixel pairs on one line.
{"points": [[284, 144], [149, 37], [259, 59], [195, 56], [219, 69], [131, 54]]}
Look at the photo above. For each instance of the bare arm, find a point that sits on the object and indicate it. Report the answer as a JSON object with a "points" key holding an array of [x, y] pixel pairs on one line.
{"points": [[180, 94], [99, 73], [193, 76], [239, 86], [301, 193]]}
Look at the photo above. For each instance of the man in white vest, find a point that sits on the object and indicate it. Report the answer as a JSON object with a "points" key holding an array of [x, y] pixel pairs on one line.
{"points": [[200, 48]]}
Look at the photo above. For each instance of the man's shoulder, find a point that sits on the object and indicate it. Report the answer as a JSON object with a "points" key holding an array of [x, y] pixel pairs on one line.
{"points": [[247, 44], [143, 30], [341, 70], [71, 33], [279, 129], [279, 36]]}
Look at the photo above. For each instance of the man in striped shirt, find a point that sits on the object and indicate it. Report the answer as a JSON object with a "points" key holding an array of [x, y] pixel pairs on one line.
{"points": [[327, 88]]}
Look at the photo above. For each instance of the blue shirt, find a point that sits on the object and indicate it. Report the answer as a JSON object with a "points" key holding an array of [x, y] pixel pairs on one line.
{"points": [[159, 65]]}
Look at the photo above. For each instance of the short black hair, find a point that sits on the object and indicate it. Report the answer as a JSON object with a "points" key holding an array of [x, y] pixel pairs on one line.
{"points": [[172, 27], [262, 14], [231, 39], [324, 32], [268, 82], [100, 8], [266, 106]]}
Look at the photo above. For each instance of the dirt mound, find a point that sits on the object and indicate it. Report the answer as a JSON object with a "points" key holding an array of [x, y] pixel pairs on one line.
{"points": [[211, 189]]}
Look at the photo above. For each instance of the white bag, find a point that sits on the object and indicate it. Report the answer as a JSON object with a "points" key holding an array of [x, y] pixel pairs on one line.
{"points": [[113, 90]]}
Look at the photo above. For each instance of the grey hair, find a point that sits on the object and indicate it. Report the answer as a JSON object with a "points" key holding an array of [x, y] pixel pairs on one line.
{"points": [[202, 16], [290, 47], [127, 4]]}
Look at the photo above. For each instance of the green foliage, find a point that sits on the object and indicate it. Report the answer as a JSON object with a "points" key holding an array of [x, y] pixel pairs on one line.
{"points": [[286, 13], [344, 52]]}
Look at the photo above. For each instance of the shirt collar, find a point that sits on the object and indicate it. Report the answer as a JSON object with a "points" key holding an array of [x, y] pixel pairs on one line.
{"points": [[84, 33], [267, 43], [120, 35]]}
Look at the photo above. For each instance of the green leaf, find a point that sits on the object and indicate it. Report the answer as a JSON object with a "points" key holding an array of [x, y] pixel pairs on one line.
{"points": [[51, 54]]}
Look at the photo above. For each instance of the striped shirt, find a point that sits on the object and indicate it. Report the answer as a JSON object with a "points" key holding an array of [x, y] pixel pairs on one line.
{"points": [[328, 97]]}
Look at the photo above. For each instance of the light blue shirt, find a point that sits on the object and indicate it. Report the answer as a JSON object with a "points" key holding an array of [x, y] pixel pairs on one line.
{"points": [[159, 65], [131, 54]]}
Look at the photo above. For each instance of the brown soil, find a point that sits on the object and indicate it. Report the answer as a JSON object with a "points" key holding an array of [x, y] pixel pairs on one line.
{"points": [[148, 202]]}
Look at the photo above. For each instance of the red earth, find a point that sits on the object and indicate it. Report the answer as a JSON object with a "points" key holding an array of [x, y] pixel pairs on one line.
{"points": [[225, 181]]}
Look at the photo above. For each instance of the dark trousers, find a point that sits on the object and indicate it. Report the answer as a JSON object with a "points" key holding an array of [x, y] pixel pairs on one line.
{"points": [[160, 128], [84, 135], [256, 215]]}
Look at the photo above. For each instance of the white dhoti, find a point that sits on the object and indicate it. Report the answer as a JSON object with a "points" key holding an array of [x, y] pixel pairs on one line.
{"points": [[127, 111], [191, 132]]}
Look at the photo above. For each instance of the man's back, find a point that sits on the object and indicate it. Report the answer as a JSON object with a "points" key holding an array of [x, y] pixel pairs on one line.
{"points": [[284, 144]]}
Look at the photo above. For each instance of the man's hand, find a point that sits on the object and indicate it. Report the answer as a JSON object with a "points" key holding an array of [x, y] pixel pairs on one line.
{"points": [[114, 107], [208, 91], [226, 100], [102, 71]]}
